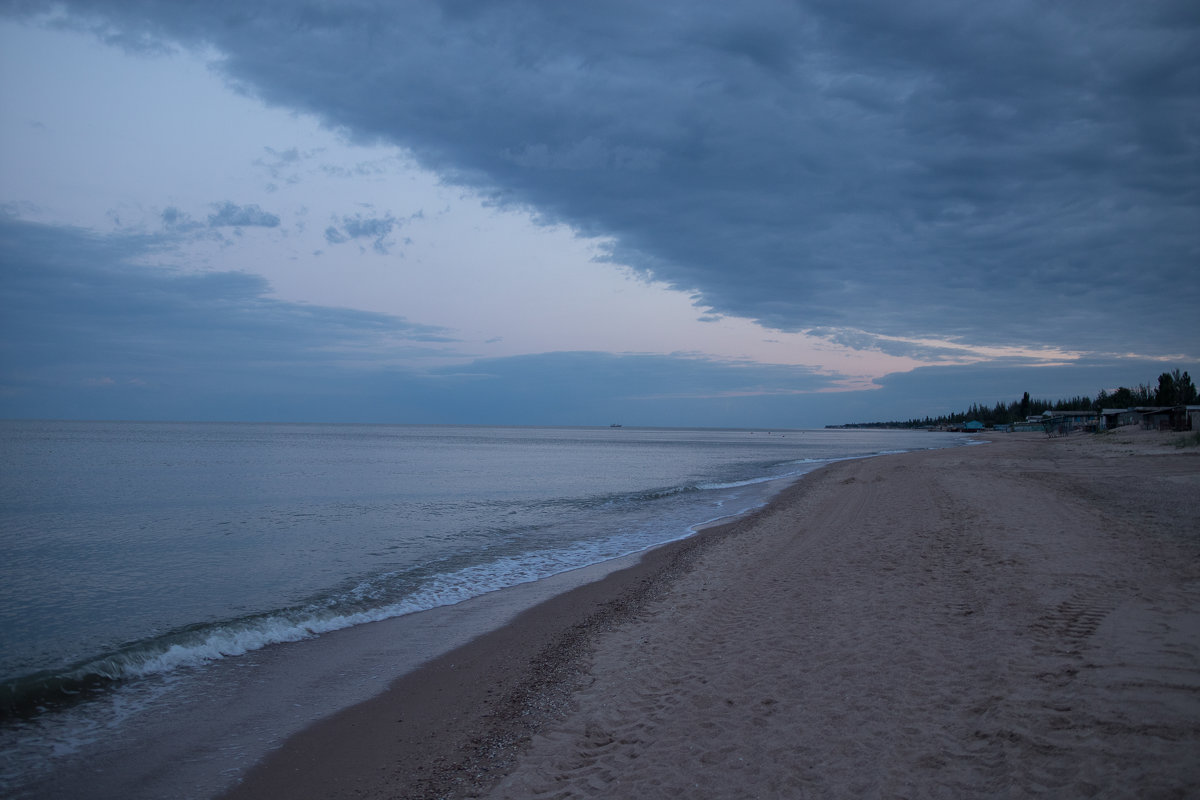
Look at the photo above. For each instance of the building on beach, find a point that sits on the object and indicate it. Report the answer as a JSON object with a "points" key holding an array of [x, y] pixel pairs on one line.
{"points": [[1061, 423], [1171, 418], [1158, 418], [1110, 418]]}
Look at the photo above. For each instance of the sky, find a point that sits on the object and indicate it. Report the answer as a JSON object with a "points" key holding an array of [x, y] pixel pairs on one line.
{"points": [[763, 214]]}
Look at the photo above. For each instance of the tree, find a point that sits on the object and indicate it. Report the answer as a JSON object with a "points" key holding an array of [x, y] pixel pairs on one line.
{"points": [[1165, 396], [1187, 390], [1175, 389], [1122, 398]]}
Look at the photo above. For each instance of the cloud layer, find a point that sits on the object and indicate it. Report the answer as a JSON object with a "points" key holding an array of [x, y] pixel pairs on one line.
{"points": [[81, 315], [88, 333], [1010, 173]]}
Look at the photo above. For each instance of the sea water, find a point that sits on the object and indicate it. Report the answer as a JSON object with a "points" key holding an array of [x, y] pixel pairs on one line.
{"points": [[134, 552]]}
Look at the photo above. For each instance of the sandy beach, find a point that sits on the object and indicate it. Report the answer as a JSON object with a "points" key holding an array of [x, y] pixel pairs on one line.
{"points": [[1010, 620]]}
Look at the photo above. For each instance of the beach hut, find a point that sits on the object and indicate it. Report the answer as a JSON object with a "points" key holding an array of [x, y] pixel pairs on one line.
{"points": [[1118, 417], [1061, 423], [1170, 418], [973, 425]]}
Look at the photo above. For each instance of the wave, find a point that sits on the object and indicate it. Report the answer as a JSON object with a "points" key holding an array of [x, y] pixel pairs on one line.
{"points": [[371, 599], [766, 472], [378, 597]]}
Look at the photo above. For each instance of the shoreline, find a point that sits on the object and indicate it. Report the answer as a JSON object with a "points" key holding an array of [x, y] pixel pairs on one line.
{"points": [[1018, 617], [463, 716], [228, 717], [269, 695]]}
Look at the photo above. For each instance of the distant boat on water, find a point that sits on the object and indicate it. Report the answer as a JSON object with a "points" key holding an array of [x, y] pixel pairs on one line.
{"points": [[616, 425]]}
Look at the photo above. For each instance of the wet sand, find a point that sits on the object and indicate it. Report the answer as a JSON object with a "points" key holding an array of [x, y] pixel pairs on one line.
{"points": [[1016, 619]]}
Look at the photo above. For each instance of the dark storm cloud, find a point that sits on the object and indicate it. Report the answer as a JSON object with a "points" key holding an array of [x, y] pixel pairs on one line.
{"points": [[230, 215], [1007, 173]]}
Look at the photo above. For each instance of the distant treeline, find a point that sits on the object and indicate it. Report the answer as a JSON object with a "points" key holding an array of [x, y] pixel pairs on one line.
{"points": [[1174, 389]]}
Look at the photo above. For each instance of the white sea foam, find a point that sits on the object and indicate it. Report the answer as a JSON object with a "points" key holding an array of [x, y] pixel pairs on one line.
{"points": [[239, 637], [403, 521], [505, 508]]}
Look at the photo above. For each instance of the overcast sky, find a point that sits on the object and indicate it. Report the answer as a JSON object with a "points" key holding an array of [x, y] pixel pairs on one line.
{"points": [[690, 213]]}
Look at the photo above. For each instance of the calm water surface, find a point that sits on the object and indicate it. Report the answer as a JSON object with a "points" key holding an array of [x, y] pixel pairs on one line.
{"points": [[133, 550]]}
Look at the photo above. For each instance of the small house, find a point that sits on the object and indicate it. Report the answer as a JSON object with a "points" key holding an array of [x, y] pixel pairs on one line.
{"points": [[1110, 418], [1168, 418]]}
